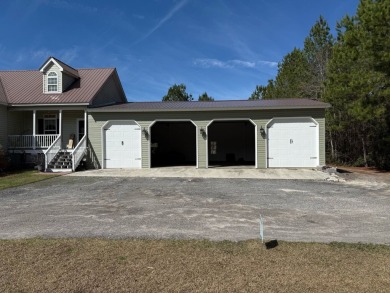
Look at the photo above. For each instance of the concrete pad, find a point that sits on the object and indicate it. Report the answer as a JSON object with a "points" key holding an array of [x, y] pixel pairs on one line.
{"points": [[192, 172]]}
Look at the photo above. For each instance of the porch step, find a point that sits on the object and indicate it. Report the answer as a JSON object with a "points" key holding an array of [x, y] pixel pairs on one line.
{"points": [[54, 170], [62, 162]]}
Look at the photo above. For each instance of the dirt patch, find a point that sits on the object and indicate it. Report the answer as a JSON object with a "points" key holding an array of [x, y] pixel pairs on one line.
{"points": [[364, 176], [93, 265]]}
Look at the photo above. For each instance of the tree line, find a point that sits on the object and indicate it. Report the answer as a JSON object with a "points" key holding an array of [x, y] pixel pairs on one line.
{"points": [[178, 92], [351, 71]]}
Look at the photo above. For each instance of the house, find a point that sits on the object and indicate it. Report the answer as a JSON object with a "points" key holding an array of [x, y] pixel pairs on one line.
{"points": [[43, 113], [44, 108]]}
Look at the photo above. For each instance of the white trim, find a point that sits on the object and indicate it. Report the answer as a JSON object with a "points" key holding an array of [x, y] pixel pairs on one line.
{"points": [[173, 120], [271, 121], [49, 105], [51, 118], [229, 119], [48, 62], [47, 75], [103, 137]]}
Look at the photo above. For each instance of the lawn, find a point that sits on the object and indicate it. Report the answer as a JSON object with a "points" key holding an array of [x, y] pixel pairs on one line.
{"points": [[136, 265], [23, 177]]}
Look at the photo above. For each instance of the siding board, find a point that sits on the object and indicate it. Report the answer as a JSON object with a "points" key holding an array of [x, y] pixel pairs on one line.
{"points": [[201, 119], [53, 68], [109, 93]]}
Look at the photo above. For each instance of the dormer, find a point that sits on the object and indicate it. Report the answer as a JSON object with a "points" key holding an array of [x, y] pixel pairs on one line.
{"points": [[57, 76]]}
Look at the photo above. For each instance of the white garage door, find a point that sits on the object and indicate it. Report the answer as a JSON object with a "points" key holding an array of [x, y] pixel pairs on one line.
{"points": [[293, 143], [122, 145]]}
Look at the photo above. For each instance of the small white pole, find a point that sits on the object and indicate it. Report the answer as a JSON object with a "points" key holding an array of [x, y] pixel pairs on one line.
{"points": [[261, 229]]}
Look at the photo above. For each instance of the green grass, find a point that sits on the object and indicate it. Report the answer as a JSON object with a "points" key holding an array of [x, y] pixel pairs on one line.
{"points": [[138, 265], [23, 177]]}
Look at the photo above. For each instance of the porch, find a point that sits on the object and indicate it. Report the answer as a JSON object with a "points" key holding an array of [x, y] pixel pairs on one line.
{"points": [[49, 132]]}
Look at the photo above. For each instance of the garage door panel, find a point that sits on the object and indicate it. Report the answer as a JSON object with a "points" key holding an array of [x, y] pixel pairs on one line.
{"points": [[123, 146], [292, 143]]}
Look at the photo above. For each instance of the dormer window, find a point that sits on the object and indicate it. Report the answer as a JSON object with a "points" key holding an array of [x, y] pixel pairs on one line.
{"points": [[52, 82]]}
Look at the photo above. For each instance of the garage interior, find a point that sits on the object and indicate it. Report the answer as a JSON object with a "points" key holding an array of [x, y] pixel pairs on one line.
{"points": [[231, 143], [173, 144]]}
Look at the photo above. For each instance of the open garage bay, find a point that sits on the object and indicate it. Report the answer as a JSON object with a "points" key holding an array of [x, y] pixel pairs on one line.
{"points": [[231, 143], [173, 144]]}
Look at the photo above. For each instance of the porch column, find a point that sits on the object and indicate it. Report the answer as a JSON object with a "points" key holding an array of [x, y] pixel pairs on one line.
{"points": [[60, 122], [85, 123], [34, 127]]}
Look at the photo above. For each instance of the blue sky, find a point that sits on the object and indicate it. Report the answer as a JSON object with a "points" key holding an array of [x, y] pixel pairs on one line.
{"points": [[223, 47]]}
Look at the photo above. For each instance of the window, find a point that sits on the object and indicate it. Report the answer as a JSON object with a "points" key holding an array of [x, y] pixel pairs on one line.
{"points": [[52, 82], [50, 124]]}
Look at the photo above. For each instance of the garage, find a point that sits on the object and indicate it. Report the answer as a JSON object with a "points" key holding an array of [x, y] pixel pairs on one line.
{"points": [[231, 143], [173, 143], [122, 144], [293, 142]]}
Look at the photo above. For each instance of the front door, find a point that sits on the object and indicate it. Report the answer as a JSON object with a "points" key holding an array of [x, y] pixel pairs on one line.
{"points": [[80, 129]]}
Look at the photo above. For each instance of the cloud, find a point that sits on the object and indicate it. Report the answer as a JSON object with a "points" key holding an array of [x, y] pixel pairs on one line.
{"points": [[210, 63], [139, 16], [167, 17], [235, 63], [243, 63], [63, 4], [268, 63]]}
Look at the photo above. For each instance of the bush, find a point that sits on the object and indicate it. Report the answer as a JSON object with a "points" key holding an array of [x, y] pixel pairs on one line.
{"points": [[4, 161]]}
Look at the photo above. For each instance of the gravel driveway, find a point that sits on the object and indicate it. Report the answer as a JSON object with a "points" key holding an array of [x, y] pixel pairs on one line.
{"points": [[216, 209]]}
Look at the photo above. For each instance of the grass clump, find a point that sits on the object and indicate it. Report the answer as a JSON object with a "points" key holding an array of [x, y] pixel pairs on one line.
{"points": [[142, 265], [15, 179]]}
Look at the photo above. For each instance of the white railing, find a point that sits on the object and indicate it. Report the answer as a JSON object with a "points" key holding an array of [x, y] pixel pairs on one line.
{"points": [[20, 141], [51, 152], [42, 141], [78, 152], [45, 140]]}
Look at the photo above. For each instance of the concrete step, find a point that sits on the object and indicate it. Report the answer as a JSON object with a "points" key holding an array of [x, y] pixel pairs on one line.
{"points": [[58, 170]]}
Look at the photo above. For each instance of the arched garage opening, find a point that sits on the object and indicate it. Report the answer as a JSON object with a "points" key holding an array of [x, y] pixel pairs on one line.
{"points": [[231, 143], [121, 144], [173, 143], [293, 142]]}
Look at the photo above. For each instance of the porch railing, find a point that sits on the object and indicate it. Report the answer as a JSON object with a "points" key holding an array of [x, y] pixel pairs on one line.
{"points": [[78, 152], [53, 149], [39, 141]]}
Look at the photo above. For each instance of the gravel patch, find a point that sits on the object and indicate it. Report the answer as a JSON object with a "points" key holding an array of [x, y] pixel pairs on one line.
{"points": [[216, 209]]}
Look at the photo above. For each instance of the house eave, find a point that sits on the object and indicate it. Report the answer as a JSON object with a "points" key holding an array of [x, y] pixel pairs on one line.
{"points": [[49, 105], [204, 109]]}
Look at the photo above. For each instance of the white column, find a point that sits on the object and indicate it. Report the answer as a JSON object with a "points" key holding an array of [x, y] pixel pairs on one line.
{"points": [[85, 122], [60, 120], [34, 127]]}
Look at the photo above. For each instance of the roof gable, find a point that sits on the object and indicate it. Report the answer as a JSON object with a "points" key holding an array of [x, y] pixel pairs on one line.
{"points": [[61, 65]]}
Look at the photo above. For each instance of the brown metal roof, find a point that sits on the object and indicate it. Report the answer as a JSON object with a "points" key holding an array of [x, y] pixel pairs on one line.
{"points": [[3, 97], [26, 87], [213, 106]]}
